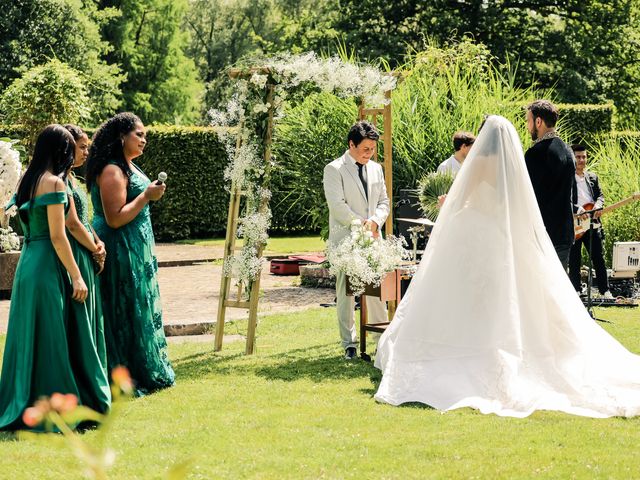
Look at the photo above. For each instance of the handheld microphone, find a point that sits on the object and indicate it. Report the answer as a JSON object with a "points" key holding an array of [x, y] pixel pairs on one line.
{"points": [[162, 177]]}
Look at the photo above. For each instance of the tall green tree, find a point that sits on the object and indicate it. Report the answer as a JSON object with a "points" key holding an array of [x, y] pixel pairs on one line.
{"points": [[224, 32], [36, 31], [589, 50], [149, 43]]}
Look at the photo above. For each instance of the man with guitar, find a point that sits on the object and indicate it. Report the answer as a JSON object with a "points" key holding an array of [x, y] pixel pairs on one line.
{"points": [[587, 196]]}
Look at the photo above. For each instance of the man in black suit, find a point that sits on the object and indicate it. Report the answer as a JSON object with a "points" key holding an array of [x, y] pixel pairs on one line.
{"points": [[551, 168], [588, 192]]}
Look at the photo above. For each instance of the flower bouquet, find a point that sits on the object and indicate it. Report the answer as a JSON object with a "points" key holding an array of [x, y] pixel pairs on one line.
{"points": [[365, 260]]}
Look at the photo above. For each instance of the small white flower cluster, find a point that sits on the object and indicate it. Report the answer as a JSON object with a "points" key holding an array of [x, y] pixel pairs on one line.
{"points": [[245, 159], [334, 76], [235, 111], [364, 259], [10, 169], [245, 266], [254, 228], [8, 240]]}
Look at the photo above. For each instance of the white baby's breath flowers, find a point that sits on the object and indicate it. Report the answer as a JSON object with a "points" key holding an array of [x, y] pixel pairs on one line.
{"points": [[10, 169], [364, 259], [259, 80]]}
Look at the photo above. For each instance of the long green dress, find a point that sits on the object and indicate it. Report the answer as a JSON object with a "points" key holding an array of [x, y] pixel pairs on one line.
{"points": [[86, 324], [131, 295], [36, 358]]}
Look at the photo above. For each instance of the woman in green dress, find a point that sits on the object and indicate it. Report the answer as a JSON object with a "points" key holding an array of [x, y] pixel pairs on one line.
{"points": [[120, 193], [36, 359], [86, 325]]}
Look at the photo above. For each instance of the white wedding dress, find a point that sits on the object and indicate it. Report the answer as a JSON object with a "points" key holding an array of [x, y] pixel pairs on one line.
{"points": [[491, 320]]}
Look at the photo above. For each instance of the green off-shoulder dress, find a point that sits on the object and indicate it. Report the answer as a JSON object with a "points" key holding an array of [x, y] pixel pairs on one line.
{"points": [[131, 296], [86, 325], [36, 358]]}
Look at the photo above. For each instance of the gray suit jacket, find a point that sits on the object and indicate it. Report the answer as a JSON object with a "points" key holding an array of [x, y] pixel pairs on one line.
{"points": [[346, 198]]}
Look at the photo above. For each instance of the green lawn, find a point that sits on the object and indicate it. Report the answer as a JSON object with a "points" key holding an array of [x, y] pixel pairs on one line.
{"points": [[309, 243], [297, 410]]}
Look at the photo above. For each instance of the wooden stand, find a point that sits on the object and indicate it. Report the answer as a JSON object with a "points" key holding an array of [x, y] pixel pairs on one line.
{"points": [[388, 291], [373, 114], [253, 288]]}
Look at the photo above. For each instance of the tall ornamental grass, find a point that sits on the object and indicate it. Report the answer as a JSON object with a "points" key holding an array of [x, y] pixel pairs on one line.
{"points": [[446, 90]]}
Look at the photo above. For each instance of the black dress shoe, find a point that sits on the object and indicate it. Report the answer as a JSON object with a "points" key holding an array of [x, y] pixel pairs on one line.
{"points": [[350, 353]]}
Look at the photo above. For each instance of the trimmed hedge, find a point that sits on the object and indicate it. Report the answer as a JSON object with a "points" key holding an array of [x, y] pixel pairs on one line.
{"points": [[585, 122], [196, 202]]}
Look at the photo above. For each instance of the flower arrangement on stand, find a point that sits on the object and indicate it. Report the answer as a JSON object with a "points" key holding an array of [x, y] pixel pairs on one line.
{"points": [[10, 170], [261, 93], [365, 260]]}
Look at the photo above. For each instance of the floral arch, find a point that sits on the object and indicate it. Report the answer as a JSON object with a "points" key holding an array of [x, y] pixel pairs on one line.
{"points": [[250, 118]]}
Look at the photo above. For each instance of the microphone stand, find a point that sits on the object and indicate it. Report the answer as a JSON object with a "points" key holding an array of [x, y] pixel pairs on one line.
{"points": [[589, 305]]}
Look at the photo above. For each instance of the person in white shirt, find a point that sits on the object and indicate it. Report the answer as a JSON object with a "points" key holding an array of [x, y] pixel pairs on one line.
{"points": [[462, 142], [588, 192]]}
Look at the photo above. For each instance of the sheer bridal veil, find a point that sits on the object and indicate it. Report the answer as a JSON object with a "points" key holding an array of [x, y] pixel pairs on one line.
{"points": [[491, 320]]}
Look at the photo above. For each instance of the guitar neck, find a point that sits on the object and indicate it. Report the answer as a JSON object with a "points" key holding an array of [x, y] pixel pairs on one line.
{"points": [[619, 204]]}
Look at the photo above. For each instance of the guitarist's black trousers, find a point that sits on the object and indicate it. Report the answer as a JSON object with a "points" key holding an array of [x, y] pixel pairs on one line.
{"points": [[597, 258]]}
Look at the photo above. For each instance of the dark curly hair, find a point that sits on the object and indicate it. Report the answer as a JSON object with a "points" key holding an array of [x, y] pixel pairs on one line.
{"points": [[54, 150], [106, 145]]}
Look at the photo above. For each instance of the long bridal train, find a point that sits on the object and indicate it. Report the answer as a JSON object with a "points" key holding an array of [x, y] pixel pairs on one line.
{"points": [[490, 320]]}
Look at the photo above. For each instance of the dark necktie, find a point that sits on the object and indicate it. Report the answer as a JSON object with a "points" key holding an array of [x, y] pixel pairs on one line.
{"points": [[362, 179]]}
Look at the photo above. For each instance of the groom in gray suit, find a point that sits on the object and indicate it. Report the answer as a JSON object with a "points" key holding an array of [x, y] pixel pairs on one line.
{"points": [[355, 190]]}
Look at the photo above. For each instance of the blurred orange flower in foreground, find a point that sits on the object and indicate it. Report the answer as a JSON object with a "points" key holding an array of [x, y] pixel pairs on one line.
{"points": [[122, 379], [58, 402]]}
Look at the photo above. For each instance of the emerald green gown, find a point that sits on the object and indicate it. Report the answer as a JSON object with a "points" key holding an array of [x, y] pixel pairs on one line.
{"points": [[37, 359], [131, 296], [86, 323]]}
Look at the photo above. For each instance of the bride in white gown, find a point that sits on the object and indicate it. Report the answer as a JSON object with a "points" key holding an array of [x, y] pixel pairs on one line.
{"points": [[491, 320]]}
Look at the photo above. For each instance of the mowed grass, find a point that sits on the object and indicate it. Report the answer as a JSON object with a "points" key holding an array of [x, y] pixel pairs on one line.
{"points": [[307, 243], [295, 409]]}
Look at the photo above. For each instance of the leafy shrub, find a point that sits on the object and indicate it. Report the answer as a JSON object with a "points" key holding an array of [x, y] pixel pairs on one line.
{"points": [[49, 93], [310, 136]]}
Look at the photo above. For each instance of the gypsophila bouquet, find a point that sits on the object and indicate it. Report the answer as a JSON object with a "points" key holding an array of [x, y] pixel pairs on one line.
{"points": [[365, 259], [9, 240], [10, 169]]}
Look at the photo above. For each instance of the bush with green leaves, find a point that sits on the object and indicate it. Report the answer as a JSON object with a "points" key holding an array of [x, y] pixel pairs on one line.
{"points": [[49, 93]]}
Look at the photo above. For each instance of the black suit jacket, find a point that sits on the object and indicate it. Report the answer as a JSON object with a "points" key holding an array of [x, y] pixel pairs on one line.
{"points": [[552, 169]]}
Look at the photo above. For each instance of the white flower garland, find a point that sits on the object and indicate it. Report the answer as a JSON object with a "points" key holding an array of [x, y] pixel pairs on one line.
{"points": [[248, 110], [365, 260]]}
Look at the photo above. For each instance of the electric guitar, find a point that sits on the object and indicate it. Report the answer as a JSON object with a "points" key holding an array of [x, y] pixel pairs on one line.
{"points": [[581, 226]]}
